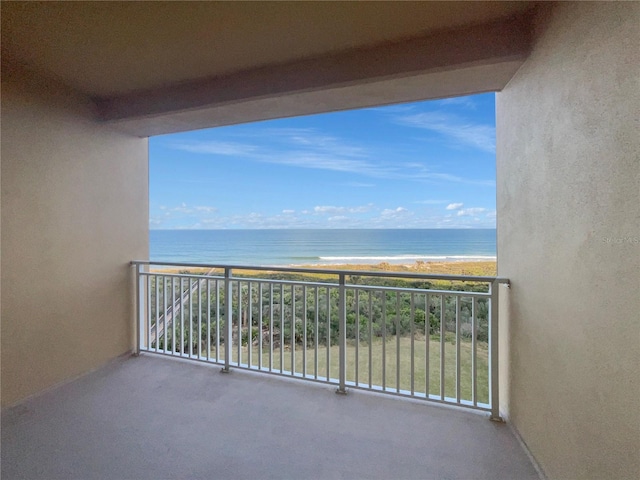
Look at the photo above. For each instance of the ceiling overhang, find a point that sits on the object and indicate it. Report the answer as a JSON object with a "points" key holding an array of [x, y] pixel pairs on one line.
{"points": [[449, 63], [446, 59]]}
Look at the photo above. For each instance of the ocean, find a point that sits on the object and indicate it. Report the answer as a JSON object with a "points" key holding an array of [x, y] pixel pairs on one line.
{"points": [[321, 247]]}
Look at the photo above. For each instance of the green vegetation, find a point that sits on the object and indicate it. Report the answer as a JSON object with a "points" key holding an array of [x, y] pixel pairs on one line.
{"points": [[377, 362], [382, 321]]}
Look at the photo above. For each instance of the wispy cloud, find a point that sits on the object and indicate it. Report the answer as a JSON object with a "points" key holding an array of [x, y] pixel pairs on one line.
{"points": [[308, 148], [395, 212], [321, 161], [471, 212], [454, 206], [216, 148], [455, 128], [391, 109], [326, 216], [332, 210], [462, 101], [356, 185]]}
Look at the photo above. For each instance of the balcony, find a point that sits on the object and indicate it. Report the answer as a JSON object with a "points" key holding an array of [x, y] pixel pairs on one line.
{"points": [[432, 337], [294, 334], [153, 417]]}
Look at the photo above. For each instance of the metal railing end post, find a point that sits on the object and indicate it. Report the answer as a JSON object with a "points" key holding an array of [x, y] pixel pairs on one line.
{"points": [[140, 308], [494, 355], [342, 333], [497, 418], [228, 299]]}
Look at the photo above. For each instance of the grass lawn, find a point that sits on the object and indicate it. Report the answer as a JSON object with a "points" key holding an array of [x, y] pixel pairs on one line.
{"points": [[387, 357]]}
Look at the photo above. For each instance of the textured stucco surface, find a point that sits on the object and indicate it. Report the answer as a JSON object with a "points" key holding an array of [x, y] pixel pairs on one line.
{"points": [[569, 239], [159, 418], [74, 212]]}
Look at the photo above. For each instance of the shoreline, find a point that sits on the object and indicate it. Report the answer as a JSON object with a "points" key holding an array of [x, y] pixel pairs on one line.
{"points": [[447, 267]]}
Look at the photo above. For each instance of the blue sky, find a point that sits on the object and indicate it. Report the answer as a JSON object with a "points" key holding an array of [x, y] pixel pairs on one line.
{"points": [[416, 165]]}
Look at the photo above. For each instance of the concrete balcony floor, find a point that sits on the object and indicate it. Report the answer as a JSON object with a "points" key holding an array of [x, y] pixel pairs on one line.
{"points": [[158, 418]]}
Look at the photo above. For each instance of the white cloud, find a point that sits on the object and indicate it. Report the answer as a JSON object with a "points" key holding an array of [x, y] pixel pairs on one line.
{"points": [[216, 148], [306, 148], [461, 131], [454, 206], [331, 210], [205, 209], [394, 212], [463, 101], [357, 185], [288, 212], [323, 161], [391, 109], [470, 212]]}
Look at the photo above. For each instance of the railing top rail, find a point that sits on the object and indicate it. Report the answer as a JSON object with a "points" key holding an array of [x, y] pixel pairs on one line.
{"points": [[363, 273], [459, 293]]}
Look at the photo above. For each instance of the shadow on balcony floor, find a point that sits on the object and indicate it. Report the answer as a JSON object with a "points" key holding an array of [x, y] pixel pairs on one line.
{"points": [[157, 418]]}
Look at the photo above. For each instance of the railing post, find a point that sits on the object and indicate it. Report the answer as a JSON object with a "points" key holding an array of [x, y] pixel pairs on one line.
{"points": [[137, 334], [228, 323], [342, 333], [493, 352]]}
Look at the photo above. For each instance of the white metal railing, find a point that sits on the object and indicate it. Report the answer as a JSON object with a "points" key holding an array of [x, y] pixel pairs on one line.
{"points": [[433, 337]]}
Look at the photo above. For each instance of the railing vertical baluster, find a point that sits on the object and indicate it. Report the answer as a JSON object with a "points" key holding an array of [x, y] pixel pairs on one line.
{"points": [[458, 361], [190, 318], [228, 320], [217, 321], [183, 295], [493, 351], [240, 319], [474, 352], [370, 338], [442, 342], [250, 325], [270, 327], [383, 294], [342, 334], [293, 329], [316, 309], [328, 339], [173, 315], [148, 322], [208, 320], [413, 333], [260, 311], [199, 340], [427, 341], [281, 328], [397, 342], [157, 319], [164, 311], [304, 330], [357, 358]]}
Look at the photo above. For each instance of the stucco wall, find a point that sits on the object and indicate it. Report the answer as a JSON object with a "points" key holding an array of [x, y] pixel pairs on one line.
{"points": [[569, 240], [74, 212]]}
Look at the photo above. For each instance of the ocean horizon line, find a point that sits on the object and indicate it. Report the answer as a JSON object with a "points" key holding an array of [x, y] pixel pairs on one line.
{"points": [[323, 246], [311, 228]]}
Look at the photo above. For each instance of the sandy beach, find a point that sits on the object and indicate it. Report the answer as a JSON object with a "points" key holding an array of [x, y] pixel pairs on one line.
{"points": [[484, 268]]}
